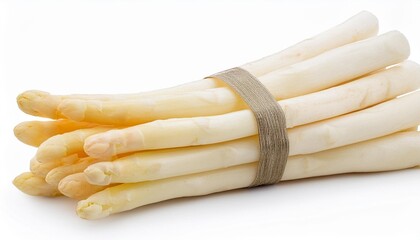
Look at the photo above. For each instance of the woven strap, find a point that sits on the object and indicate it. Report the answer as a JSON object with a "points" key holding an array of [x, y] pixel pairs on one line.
{"points": [[271, 123]]}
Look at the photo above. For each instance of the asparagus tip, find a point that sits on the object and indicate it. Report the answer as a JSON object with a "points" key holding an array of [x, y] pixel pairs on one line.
{"points": [[73, 109], [97, 149], [31, 184], [99, 174], [20, 180], [22, 134], [54, 177], [26, 99], [66, 187], [19, 129], [50, 152], [91, 210]]}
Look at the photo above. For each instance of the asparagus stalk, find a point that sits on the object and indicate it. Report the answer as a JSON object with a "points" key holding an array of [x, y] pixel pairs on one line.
{"points": [[75, 186], [207, 130], [58, 147], [359, 157], [32, 184], [34, 133], [359, 27], [295, 80], [42, 169], [174, 162], [165, 163], [206, 112], [152, 165], [309, 108], [394, 115], [60, 151], [56, 174], [355, 95]]}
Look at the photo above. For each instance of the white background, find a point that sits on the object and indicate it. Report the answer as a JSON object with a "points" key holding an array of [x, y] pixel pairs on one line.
{"points": [[126, 46]]}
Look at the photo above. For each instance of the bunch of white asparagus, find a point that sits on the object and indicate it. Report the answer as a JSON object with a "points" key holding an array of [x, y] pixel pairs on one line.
{"points": [[341, 92]]}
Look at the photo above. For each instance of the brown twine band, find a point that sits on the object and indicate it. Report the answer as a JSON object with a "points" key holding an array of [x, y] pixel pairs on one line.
{"points": [[271, 123]]}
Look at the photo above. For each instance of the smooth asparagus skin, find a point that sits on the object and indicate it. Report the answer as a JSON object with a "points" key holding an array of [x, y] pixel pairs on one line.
{"points": [[295, 80], [32, 184], [34, 133], [388, 155], [349, 98], [174, 162], [75, 186], [42, 169], [394, 115], [55, 175], [58, 147], [358, 27]]}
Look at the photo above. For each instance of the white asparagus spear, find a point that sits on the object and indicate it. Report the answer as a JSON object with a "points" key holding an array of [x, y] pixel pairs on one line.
{"points": [[359, 94], [42, 169], [343, 99], [312, 75], [397, 151], [135, 111], [36, 132], [166, 163], [58, 147], [380, 120], [75, 186], [32, 184], [358, 27], [55, 175], [331, 67]]}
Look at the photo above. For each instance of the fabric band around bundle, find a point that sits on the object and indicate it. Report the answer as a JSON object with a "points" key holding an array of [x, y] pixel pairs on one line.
{"points": [[271, 123]]}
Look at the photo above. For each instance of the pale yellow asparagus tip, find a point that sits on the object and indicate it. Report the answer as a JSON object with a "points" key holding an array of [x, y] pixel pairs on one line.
{"points": [[34, 133], [61, 146], [99, 174], [72, 188], [57, 174], [50, 152], [98, 149], [66, 188], [92, 210], [34, 185], [21, 133], [76, 186], [38, 103], [24, 100], [99, 145], [42, 169]]}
